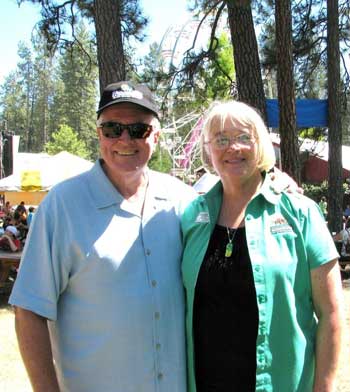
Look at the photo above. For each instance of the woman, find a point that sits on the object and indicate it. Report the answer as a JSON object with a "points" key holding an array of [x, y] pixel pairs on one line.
{"points": [[259, 270]]}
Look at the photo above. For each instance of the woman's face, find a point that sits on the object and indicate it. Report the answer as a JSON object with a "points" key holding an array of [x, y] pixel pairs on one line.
{"points": [[232, 151]]}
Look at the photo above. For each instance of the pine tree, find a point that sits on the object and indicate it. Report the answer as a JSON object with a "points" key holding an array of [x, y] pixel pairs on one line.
{"points": [[76, 93], [65, 139]]}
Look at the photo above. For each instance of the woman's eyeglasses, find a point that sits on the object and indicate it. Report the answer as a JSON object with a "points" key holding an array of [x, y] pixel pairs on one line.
{"points": [[222, 141], [113, 130]]}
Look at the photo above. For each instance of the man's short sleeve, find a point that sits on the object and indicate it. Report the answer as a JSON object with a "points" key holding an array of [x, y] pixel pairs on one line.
{"points": [[40, 277]]}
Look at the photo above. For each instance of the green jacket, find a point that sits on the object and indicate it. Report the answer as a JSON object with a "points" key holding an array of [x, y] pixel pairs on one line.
{"points": [[286, 237]]}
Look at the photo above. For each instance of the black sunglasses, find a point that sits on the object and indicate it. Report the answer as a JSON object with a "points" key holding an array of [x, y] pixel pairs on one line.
{"points": [[113, 130]]}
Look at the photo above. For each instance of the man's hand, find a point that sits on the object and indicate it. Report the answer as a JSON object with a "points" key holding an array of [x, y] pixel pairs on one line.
{"points": [[281, 181]]}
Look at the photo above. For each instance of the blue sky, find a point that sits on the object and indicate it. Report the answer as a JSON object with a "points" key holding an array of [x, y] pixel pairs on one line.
{"points": [[16, 24]]}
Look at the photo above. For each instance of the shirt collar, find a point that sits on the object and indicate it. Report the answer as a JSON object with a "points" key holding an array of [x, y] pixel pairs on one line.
{"points": [[265, 190], [105, 193]]}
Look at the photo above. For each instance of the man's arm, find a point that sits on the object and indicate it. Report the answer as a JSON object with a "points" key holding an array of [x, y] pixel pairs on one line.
{"points": [[35, 347], [327, 298], [11, 243]]}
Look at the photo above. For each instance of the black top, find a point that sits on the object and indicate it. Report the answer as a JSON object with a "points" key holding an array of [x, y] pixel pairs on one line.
{"points": [[225, 317]]}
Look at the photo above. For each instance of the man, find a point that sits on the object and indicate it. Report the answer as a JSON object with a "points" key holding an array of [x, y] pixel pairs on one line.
{"points": [[323, 206], [99, 299], [9, 240], [347, 211]]}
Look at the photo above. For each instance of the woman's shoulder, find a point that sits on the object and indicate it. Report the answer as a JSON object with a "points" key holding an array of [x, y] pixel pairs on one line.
{"points": [[299, 201]]}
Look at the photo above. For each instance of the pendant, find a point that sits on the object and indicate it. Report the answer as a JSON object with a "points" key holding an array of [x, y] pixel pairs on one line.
{"points": [[228, 250]]}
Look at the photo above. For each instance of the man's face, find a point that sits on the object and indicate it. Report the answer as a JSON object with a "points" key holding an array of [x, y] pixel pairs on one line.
{"points": [[9, 233], [124, 156]]}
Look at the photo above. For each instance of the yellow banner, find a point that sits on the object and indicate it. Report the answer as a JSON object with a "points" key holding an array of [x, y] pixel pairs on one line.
{"points": [[31, 180]]}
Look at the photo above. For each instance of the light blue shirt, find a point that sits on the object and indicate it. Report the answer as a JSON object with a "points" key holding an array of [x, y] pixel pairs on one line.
{"points": [[110, 282]]}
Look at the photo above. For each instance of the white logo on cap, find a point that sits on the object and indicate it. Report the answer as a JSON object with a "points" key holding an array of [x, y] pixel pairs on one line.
{"points": [[127, 94]]}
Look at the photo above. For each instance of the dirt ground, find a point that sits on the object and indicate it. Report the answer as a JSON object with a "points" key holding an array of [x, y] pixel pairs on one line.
{"points": [[13, 376]]}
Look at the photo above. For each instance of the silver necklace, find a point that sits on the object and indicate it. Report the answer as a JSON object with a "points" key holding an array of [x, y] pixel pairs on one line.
{"points": [[229, 245]]}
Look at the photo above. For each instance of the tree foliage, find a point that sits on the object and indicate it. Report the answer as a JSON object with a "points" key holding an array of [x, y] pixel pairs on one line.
{"points": [[65, 139], [75, 98], [121, 19], [45, 92]]}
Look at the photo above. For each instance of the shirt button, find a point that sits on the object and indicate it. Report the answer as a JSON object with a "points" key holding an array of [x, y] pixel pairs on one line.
{"points": [[158, 346], [148, 252], [160, 376], [262, 298], [154, 283], [257, 268], [156, 315]]}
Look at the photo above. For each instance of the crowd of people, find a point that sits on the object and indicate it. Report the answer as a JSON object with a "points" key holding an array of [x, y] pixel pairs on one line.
{"points": [[99, 299], [14, 226]]}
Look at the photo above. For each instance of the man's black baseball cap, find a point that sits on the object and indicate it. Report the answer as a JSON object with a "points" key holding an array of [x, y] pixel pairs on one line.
{"points": [[127, 91]]}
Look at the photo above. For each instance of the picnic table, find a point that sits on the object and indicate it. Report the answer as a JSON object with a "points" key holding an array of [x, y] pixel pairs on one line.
{"points": [[8, 262]]}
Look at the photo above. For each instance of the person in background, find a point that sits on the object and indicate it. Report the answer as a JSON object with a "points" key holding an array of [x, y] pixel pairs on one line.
{"points": [[347, 211], [30, 215], [260, 271], [7, 208], [20, 221], [21, 208], [324, 207], [344, 237], [9, 240]]}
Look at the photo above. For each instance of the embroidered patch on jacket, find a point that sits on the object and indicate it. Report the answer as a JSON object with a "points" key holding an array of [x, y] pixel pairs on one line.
{"points": [[280, 225], [202, 217]]}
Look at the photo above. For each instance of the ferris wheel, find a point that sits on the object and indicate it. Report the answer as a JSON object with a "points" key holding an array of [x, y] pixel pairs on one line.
{"points": [[178, 38], [184, 150]]}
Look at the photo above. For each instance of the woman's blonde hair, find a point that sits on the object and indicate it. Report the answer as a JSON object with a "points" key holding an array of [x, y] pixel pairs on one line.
{"points": [[240, 115]]}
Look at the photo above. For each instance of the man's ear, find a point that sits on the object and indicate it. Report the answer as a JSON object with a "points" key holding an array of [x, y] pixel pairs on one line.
{"points": [[156, 136]]}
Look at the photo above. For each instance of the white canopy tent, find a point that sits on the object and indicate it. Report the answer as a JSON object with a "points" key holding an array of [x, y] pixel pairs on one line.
{"points": [[35, 174]]}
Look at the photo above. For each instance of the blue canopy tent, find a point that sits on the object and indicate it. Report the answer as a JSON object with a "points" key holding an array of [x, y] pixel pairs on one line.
{"points": [[310, 113]]}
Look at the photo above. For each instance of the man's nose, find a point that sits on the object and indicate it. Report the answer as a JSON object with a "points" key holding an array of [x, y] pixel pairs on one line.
{"points": [[125, 135]]}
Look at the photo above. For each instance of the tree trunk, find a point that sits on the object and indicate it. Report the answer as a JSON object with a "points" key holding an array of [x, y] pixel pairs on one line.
{"points": [[290, 159], [335, 165], [110, 54], [29, 92], [246, 57]]}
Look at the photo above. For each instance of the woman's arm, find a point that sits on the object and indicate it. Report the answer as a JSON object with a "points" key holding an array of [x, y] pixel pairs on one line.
{"points": [[327, 297]]}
